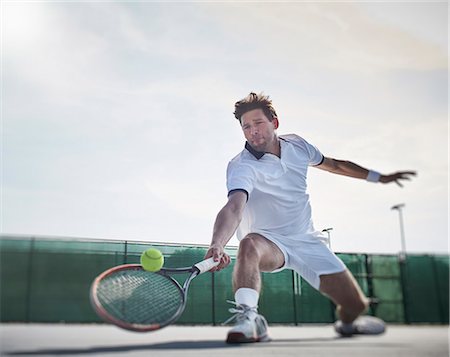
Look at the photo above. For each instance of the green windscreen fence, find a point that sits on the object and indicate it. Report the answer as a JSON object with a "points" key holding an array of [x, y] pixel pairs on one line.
{"points": [[48, 280], [386, 285]]}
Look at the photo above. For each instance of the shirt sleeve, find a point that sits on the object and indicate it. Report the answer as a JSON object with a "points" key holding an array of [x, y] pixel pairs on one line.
{"points": [[240, 177], [315, 157]]}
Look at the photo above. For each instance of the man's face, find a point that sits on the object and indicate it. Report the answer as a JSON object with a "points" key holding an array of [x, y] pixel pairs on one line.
{"points": [[259, 130]]}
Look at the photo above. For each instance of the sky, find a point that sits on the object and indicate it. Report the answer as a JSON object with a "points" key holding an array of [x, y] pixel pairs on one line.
{"points": [[117, 121]]}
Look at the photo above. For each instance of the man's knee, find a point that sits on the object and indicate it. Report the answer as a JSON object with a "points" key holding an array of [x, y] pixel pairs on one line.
{"points": [[248, 248], [365, 304], [355, 302], [357, 306], [257, 250], [343, 289]]}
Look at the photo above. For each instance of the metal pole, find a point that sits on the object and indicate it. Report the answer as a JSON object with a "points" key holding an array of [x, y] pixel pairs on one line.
{"points": [[329, 235], [402, 262], [399, 208]]}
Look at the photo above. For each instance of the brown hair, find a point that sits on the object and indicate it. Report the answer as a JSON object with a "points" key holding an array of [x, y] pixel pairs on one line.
{"points": [[255, 101]]}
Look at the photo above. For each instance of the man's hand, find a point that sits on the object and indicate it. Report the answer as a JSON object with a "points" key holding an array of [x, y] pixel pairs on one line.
{"points": [[397, 177], [218, 253]]}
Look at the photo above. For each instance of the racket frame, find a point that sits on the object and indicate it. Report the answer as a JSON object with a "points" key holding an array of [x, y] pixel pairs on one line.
{"points": [[165, 272]]}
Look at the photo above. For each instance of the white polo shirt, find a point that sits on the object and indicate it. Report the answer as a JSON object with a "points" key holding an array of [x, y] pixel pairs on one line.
{"points": [[276, 188]]}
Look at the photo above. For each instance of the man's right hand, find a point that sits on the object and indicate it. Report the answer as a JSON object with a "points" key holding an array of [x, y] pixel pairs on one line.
{"points": [[219, 255]]}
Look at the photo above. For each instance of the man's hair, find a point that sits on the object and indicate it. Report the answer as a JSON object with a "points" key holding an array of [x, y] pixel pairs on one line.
{"points": [[255, 101]]}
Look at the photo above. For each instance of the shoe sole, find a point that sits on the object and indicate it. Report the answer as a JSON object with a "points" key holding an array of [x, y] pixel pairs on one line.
{"points": [[236, 337]]}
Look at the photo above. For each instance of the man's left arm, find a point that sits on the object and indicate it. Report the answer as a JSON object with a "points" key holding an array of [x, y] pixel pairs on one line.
{"points": [[348, 168]]}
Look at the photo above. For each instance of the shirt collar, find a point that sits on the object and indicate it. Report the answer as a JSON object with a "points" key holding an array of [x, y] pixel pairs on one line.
{"points": [[256, 154]]}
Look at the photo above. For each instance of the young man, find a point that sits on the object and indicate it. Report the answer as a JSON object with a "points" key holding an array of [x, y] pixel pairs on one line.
{"points": [[269, 207]]}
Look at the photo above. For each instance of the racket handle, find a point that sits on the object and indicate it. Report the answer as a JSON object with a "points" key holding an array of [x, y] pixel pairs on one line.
{"points": [[206, 265]]}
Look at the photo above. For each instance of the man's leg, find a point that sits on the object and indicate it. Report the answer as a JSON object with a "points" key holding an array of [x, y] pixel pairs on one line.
{"points": [[256, 254], [343, 289], [345, 292]]}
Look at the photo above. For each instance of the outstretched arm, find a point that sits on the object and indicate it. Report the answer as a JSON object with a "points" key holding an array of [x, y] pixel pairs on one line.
{"points": [[226, 223], [351, 169]]}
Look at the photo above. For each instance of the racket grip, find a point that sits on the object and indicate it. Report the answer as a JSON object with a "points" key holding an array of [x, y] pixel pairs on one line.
{"points": [[206, 265]]}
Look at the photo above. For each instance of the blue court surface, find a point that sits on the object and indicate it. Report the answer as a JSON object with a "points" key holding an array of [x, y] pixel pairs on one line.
{"points": [[306, 340]]}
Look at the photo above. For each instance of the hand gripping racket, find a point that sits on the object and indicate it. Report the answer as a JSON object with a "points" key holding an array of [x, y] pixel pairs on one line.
{"points": [[138, 300]]}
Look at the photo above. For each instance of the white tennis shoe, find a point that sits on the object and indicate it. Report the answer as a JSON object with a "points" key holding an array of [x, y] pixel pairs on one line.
{"points": [[363, 325], [249, 326]]}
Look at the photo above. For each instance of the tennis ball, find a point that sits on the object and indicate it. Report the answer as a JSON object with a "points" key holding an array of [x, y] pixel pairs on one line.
{"points": [[152, 260]]}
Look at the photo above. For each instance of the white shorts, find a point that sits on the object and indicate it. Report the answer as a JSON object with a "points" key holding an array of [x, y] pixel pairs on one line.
{"points": [[309, 256]]}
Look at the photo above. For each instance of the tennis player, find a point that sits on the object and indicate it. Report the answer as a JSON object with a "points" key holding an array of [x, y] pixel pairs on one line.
{"points": [[269, 207]]}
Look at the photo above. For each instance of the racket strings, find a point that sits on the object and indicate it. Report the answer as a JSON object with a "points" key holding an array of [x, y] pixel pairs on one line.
{"points": [[139, 297]]}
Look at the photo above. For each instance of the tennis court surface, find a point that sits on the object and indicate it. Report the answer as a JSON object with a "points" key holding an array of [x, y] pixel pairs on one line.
{"points": [[306, 340]]}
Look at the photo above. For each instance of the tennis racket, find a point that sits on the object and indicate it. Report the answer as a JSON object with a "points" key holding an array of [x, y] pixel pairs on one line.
{"points": [[138, 300]]}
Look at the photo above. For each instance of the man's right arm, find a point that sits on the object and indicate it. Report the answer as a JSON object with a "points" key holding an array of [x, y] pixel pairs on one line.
{"points": [[226, 223]]}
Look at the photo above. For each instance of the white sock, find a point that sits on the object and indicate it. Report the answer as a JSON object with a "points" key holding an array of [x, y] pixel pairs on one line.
{"points": [[249, 297]]}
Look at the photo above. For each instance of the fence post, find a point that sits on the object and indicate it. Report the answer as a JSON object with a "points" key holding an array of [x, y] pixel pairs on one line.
{"points": [[369, 279], [29, 280], [213, 294], [438, 290], [404, 282], [125, 253]]}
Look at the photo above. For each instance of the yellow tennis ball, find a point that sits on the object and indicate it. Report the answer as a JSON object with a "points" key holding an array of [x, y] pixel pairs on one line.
{"points": [[152, 260]]}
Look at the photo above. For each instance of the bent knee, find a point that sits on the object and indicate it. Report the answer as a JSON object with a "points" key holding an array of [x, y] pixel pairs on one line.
{"points": [[257, 249], [359, 305], [343, 289], [248, 247]]}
